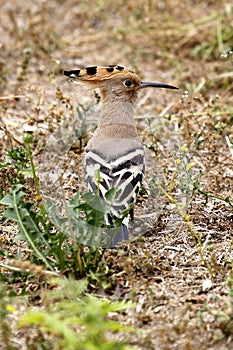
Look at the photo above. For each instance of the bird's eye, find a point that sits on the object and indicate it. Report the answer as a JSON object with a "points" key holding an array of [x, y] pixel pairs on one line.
{"points": [[127, 83]]}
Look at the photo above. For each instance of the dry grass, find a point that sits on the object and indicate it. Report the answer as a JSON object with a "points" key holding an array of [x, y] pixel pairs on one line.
{"points": [[178, 272]]}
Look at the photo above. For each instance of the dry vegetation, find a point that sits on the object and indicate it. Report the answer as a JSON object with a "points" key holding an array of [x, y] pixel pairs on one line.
{"points": [[179, 273]]}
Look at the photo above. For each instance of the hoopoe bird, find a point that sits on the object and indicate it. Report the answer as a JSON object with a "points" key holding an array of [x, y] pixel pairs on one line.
{"points": [[115, 148]]}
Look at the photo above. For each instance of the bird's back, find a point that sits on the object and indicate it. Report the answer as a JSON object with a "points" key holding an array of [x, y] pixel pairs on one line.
{"points": [[120, 163]]}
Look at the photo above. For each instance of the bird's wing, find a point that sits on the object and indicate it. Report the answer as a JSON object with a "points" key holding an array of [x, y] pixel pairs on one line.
{"points": [[118, 164]]}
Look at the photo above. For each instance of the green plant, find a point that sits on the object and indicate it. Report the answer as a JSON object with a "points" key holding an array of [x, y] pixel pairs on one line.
{"points": [[16, 159], [5, 309], [83, 120], [77, 321], [59, 242], [20, 161], [221, 40], [180, 189], [50, 245]]}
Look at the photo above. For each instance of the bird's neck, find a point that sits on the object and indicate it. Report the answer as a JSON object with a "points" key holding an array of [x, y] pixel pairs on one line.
{"points": [[117, 112], [115, 122]]}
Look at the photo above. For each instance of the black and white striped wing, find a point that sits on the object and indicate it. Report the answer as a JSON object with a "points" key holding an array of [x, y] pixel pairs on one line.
{"points": [[121, 165]]}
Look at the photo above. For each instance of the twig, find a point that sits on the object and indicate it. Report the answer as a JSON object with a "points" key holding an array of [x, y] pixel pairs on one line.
{"points": [[169, 247], [229, 144], [11, 97], [18, 269]]}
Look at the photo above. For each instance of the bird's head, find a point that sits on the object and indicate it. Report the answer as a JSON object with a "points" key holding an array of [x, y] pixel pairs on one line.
{"points": [[114, 82]]}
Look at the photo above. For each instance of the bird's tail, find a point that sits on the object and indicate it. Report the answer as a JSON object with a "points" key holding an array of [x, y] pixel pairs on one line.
{"points": [[118, 237]]}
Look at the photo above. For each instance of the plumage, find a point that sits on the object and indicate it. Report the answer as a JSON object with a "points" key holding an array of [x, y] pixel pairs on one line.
{"points": [[121, 166], [115, 150]]}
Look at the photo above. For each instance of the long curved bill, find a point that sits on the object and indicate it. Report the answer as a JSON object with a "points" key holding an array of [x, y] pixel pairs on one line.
{"points": [[145, 84]]}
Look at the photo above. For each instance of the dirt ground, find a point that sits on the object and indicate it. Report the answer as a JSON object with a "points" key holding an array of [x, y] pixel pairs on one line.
{"points": [[179, 272]]}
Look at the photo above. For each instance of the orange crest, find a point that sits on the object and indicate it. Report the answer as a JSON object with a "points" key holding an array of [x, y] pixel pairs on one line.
{"points": [[93, 74], [100, 76]]}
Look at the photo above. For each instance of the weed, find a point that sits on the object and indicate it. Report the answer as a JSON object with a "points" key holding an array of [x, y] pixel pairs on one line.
{"points": [[77, 321], [5, 308], [59, 241]]}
